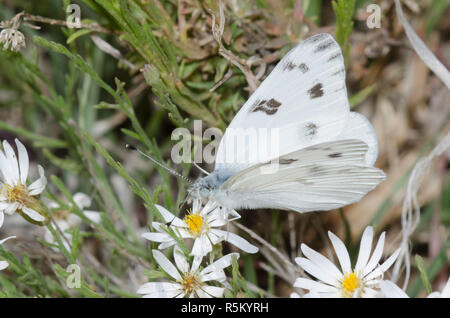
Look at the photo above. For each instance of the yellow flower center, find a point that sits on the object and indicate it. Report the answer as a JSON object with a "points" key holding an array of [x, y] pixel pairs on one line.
{"points": [[349, 284], [194, 222], [19, 193], [190, 283]]}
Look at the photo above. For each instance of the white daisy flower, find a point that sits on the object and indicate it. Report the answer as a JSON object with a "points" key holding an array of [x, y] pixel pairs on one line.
{"points": [[4, 264], [67, 220], [187, 280], [13, 38], [15, 195], [202, 225], [391, 290], [361, 281]]}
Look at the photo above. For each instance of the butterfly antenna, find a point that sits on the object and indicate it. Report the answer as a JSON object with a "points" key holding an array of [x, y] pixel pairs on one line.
{"points": [[200, 168], [175, 173]]}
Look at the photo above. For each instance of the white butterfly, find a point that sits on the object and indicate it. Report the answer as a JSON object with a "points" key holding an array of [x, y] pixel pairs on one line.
{"points": [[325, 152]]}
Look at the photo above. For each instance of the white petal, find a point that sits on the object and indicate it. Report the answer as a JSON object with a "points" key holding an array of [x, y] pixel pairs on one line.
{"points": [[321, 261], [196, 206], [24, 162], [209, 207], [379, 270], [3, 265], [446, 291], [220, 264], [317, 272], [369, 293], [206, 244], [196, 263], [2, 216], [388, 263], [341, 252], [202, 294], [215, 238], [160, 227], [38, 186], [170, 217], [157, 237], [3, 204], [33, 214], [214, 291], [183, 232], [202, 246], [48, 237], [73, 220], [163, 294], [216, 220], [12, 207], [310, 284], [66, 244], [313, 294], [152, 287], [166, 265], [237, 241], [376, 274], [197, 248], [216, 275], [434, 295], [364, 249], [94, 216], [6, 169], [165, 245], [180, 260], [12, 159], [82, 200], [372, 282], [63, 224], [390, 290], [50, 204], [376, 256]]}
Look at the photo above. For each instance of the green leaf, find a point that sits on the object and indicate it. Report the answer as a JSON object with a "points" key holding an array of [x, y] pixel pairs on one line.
{"points": [[77, 34], [360, 96], [439, 262], [423, 273], [313, 10], [84, 289], [344, 10]]}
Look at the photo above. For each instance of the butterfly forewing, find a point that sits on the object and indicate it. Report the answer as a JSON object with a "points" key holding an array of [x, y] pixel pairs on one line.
{"points": [[304, 98]]}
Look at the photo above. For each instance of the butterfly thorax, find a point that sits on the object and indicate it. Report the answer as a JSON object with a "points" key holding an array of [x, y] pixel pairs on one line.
{"points": [[207, 187]]}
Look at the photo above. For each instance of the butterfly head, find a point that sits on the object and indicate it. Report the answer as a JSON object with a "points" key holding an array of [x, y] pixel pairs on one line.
{"points": [[204, 188]]}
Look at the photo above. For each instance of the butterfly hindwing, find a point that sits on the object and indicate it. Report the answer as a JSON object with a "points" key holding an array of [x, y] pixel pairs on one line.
{"points": [[359, 127], [320, 177]]}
